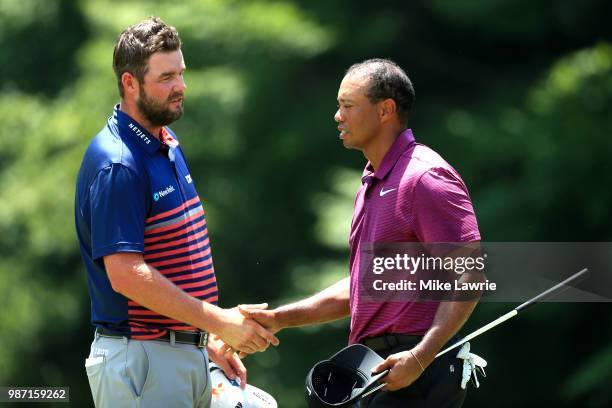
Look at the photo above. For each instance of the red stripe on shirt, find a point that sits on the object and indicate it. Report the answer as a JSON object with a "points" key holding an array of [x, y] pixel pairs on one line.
{"points": [[201, 264], [177, 251], [196, 284], [174, 210], [187, 276], [184, 328], [141, 312], [185, 230], [210, 299], [204, 292], [191, 257], [174, 225], [185, 240]]}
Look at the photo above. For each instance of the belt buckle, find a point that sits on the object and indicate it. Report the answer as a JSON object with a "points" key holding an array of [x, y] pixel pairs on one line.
{"points": [[203, 341]]}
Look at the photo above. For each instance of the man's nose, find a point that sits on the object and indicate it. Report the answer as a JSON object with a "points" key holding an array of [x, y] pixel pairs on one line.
{"points": [[338, 117], [180, 85]]}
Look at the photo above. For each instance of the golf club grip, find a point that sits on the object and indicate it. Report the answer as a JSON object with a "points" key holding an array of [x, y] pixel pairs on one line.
{"points": [[552, 290]]}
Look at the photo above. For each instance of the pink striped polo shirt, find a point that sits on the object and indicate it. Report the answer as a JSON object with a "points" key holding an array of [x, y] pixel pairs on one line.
{"points": [[415, 196]]}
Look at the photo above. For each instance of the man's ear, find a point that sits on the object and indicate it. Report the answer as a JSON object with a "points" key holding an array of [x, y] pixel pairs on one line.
{"points": [[130, 84], [387, 110]]}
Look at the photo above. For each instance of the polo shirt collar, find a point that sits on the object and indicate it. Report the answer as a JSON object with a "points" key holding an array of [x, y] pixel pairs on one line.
{"points": [[135, 132], [403, 141]]}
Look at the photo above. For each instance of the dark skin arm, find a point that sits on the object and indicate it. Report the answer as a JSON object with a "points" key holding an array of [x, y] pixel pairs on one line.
{"points": [[405, 367], [329, 304]]}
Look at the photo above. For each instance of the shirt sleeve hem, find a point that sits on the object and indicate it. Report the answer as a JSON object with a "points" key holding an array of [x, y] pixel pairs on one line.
{"points": [[119, 247]]}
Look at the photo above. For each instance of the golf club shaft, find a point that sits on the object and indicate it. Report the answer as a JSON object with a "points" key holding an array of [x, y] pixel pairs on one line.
{"points": [[467, 338], [549, 292], [478, 332]]}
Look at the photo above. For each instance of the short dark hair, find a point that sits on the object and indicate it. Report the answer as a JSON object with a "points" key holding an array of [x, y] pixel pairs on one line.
{"points": [[138, 42], [387, 81]]}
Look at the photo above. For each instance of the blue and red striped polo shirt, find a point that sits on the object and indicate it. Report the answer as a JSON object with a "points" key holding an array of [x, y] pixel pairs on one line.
{"points": [[135, 194]]}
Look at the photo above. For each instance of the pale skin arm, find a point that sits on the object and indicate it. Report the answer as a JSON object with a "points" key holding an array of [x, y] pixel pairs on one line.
{"points": [[131, 276]]}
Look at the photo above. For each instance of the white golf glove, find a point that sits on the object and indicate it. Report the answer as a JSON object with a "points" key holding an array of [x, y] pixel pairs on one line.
{"points": [[471, 365]]}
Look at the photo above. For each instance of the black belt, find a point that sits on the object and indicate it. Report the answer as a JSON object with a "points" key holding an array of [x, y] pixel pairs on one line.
{"points": [[390, 341], [199, 339]]}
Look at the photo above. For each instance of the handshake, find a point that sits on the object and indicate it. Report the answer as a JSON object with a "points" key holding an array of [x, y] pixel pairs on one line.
{"points": [[249, 329], [244, 329]]}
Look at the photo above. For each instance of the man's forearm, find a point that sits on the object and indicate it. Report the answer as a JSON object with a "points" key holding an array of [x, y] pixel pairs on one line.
{"points": [[451, 315], [130, 275], [449, 318], [330, 304], [145, 285]]}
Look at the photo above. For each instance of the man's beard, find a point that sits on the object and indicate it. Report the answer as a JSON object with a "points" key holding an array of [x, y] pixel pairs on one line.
{"points": [[157, 113]]}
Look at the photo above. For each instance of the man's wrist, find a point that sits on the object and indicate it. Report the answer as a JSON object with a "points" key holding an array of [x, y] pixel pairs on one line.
{"points": [[279, 315], [426, 352], [413, 354], [213, 318]]}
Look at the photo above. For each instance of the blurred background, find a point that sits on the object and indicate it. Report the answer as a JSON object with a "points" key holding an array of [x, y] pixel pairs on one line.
{"points": [[516, 94]]}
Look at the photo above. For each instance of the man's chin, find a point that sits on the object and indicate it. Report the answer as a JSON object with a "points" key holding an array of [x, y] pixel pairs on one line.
{"points": [[347, 144], [176, 114], [160, 116]]}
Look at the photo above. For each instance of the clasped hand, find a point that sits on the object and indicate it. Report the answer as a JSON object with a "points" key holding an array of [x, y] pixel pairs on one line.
{"points": [[244, 334]]}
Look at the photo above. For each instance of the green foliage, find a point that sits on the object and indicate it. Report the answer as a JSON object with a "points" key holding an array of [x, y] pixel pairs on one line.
{"points": [[26, 25], [515, 95]]}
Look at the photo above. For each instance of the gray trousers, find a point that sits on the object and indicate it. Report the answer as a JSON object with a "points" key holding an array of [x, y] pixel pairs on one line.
{"points": [[126, 373]]}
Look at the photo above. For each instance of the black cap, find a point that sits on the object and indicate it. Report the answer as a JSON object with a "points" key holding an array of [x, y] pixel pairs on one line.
{"points": [[344, 378]]}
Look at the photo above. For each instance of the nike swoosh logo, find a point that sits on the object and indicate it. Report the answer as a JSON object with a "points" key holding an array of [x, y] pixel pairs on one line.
{"points": [[383, 192]]}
